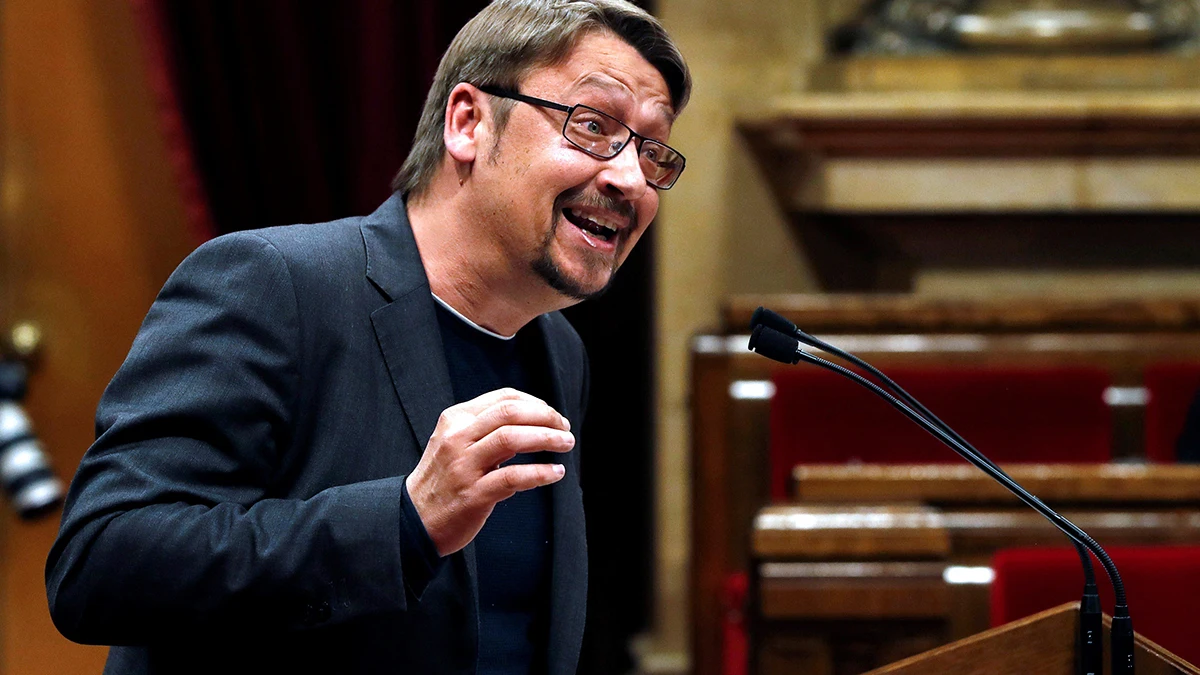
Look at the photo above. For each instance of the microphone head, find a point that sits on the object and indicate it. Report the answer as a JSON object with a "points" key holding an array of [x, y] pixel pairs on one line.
{"points": [[774, 345], [765, 317]]}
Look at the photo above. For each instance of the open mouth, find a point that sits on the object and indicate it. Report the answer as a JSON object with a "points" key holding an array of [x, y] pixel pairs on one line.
{"points": [[599, 230]]}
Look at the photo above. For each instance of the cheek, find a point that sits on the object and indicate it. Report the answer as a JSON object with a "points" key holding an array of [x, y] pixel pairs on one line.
{"points": [[646, 213], [633, 240], [647, 208], [533, 154], [566, 165]]}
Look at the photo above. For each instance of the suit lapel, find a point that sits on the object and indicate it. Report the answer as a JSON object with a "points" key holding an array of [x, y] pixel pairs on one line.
{"points": [[411, 343], [407, 327], [568, 575], [407, 331], [410, 340]]}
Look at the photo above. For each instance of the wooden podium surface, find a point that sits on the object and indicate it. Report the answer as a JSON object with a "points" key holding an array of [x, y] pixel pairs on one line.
{"points": [[860, 570], [1042, 644]]}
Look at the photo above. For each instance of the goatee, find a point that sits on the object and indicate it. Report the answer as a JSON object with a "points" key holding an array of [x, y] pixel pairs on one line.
{"points": [[550, 271]]}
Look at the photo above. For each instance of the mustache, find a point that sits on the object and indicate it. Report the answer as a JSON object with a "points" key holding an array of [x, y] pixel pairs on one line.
{"points": [[595, 200]]}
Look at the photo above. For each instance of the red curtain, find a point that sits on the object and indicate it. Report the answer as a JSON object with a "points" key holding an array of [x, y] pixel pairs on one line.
{"points": [[280, 111]]}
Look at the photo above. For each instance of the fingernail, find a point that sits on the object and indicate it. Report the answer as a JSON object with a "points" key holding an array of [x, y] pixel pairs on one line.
{"points": [[566, 421], [560, 470]]}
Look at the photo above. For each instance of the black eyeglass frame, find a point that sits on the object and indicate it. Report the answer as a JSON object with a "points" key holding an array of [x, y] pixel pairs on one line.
{"points": [[570, 110]]}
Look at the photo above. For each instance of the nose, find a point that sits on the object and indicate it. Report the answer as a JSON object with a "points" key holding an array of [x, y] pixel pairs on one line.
{"points": [[623, 173]]}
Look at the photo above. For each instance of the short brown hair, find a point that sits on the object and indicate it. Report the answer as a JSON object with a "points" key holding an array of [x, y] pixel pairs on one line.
{"points": [[510, 38]]}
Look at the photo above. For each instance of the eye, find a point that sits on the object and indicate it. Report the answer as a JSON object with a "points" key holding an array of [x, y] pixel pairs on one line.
{"points": [[650, 154], [588, 124]]}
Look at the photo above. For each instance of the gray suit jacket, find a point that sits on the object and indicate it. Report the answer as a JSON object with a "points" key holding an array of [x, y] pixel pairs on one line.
{"points": [[240, 509]]}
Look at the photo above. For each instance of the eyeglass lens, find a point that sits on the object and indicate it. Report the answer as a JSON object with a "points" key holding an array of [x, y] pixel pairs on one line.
{"points": [[605, 136]]}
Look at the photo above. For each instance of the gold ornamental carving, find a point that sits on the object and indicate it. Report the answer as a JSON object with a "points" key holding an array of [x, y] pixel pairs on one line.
{"points": [[914, 27]]}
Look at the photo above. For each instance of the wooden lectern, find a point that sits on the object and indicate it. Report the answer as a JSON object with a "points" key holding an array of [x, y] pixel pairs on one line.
{"points": [[1042, 644], [853, 575]]}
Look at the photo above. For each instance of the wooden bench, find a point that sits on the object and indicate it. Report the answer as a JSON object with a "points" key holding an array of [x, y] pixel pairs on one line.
{"points": [[877, 563], [730, 392]]}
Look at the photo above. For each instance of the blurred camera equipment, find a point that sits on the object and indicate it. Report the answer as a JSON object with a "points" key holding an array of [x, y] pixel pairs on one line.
{"points": [[25, 474]]}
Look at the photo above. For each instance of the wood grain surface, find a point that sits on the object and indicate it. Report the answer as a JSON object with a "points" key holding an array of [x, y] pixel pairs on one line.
{"points": [[1042, 644], [962, 483], [820, 532], [882, 532], [970, 124], [886, 312]]}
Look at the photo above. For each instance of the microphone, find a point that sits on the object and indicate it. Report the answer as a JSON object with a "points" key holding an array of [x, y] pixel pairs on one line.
{"points": [[769, 339], [1090, 637]]}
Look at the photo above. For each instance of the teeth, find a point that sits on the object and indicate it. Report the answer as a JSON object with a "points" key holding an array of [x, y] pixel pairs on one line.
{"points": [[611, 226], [606, 224]]}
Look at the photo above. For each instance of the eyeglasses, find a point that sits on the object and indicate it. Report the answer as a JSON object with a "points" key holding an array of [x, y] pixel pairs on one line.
{"points": [[603, 136]]}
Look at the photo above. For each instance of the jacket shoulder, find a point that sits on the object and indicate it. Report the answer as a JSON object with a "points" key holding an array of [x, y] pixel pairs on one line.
{"points": [[326, 243]]}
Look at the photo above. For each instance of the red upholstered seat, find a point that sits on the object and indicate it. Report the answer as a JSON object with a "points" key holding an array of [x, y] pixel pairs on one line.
{"points": [[1039, 415], [1162, 584], [735, 648], [1171, 386]]}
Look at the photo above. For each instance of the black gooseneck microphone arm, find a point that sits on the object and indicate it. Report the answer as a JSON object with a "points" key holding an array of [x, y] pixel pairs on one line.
{"points": [[776, 345], [1090, 635]]}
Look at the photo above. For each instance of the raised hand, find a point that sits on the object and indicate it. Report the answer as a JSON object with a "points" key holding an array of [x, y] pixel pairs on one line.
{"points": [[459, 479]]}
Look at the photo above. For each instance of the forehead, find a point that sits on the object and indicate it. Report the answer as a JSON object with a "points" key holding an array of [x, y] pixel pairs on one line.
{"points": [[608, 70]]}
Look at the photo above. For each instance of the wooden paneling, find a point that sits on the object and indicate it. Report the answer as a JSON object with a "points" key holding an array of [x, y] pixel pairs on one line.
{"points": [[1092, 483], [878, 595], [1042, 644], [92, 224], [978, 124], [882, 186], [858, 591], [1010, 71], [714, 553], [730, 447], [905, 313], [849, 532], [826, 532]]}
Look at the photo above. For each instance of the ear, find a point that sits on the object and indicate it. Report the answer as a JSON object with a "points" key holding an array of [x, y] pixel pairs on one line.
{"points": [[463, 121]]}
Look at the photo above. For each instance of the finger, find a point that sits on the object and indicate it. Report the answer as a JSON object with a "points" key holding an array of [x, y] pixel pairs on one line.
{"points": [[514, 412], [509, 480], [488, 399], [506, 442]]}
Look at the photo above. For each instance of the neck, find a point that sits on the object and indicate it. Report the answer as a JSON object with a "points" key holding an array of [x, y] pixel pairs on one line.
{"points": [[467, 266]]}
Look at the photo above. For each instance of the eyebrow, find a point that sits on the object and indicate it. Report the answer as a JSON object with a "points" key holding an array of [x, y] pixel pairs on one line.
{"points": [[613, 87], [605, 83]]}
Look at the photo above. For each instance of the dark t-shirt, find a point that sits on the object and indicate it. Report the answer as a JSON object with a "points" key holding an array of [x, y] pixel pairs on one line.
{"points": [[512, 551]]}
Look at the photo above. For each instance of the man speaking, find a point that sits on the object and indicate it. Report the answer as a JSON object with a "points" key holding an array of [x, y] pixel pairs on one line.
{"points": [[351, 447]]}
